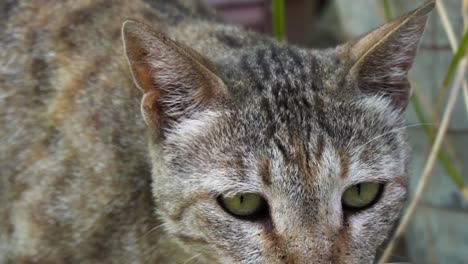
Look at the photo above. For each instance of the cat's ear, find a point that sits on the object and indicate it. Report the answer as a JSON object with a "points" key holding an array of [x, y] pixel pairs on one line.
{"points": [[381, 59], [175, 80]]}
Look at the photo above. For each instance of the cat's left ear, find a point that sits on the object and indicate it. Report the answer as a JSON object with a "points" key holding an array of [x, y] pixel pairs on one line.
{"points": [[382, 58], [176, 81]]}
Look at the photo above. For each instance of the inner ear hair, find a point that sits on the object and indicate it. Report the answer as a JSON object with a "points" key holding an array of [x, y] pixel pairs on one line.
{"points": [[175, 79]]}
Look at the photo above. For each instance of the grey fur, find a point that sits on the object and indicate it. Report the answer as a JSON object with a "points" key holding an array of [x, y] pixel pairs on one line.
{"points": [[238, 112]]}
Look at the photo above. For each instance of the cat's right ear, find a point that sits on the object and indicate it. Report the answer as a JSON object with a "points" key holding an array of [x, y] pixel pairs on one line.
{"points": [[176, 81], [381, 59]]}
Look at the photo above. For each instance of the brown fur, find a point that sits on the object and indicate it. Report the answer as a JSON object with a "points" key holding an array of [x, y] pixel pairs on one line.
{"points": [[94, 170]]}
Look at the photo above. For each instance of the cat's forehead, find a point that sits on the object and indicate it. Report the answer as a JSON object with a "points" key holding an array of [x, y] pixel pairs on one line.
{"points": [[283, 70], [304, 116], [302, 93], [315, 137]]}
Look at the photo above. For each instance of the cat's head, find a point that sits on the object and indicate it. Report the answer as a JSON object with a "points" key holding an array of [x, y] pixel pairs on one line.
{"points": [[309, 166]]}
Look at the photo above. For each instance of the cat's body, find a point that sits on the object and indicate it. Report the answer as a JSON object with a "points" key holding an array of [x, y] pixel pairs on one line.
{"points": [[76, 183], [75, 173]]}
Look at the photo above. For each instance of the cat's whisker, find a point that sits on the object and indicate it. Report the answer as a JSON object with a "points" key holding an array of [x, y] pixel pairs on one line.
{"points": [[151, 231], [192, 258], [400, 258], [351, 140], [386, 133]]}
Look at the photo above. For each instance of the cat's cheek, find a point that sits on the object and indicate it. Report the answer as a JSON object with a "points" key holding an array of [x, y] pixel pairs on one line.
{"points": [[233, 239], [187, 223], [369, 229], [201, 227]]}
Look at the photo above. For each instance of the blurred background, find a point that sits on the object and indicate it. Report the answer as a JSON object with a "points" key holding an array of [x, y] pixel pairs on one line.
{"points": [[438, 230]]}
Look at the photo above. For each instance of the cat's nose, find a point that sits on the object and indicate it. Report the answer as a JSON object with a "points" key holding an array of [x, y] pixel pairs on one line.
{"points": [[305, 248]]}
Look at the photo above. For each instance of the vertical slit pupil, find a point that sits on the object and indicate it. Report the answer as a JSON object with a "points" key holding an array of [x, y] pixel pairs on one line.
{"points": [[241, 198], [358, 187]]}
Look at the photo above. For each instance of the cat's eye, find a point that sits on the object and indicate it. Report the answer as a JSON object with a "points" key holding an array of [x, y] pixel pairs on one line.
{"points": [[244, 205], [361, 196]]}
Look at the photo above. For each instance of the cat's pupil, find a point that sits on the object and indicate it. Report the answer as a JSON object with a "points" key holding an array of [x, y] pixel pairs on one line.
{"points": [[358, 187], [241, 198]]}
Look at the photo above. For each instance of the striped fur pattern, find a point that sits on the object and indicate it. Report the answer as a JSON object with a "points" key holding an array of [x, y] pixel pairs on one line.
{"points": [[86, 179]]}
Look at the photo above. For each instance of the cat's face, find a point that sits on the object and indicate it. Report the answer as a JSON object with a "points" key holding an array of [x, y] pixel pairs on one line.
{"points": [[301, 165], [309, 168]]}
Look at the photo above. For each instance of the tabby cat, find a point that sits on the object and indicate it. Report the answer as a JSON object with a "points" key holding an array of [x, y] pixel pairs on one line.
{"points": [[193, 141]]}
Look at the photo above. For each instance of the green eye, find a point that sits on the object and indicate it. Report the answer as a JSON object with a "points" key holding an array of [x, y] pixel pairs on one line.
{"points": [[361, 195], [244, 205]]}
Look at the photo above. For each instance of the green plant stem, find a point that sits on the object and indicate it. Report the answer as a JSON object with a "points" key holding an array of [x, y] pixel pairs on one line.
{"points": [[421, 117], [387, 10], [278, 19], [460, 53], [443, 157]]}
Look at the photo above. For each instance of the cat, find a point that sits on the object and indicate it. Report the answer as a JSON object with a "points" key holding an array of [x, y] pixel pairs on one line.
{"points": [[182, 139]]}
